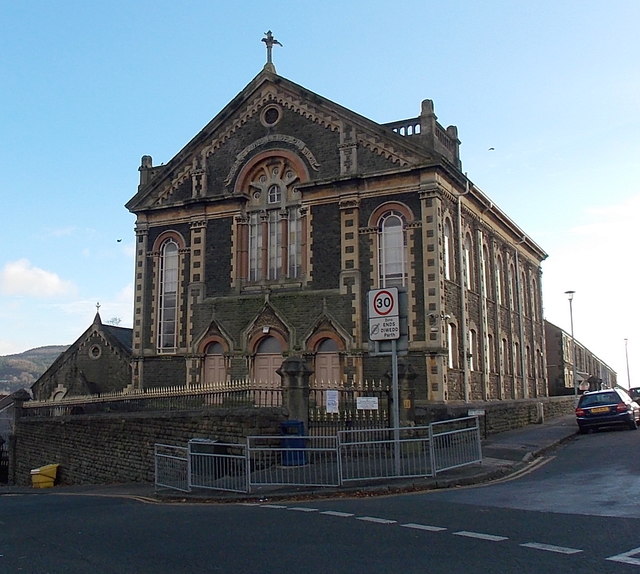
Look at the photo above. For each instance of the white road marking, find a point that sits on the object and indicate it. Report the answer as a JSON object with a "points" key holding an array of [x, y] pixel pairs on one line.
{"points": [[374, 519], [273, 506], [551, 548], [626, 558], [481, 536], [335, 513], [302, 509], [423, 527]]}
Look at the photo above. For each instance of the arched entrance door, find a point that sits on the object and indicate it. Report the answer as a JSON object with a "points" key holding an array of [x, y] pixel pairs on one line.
{"points": [[267, 360], [327, 363], [214, 367]]}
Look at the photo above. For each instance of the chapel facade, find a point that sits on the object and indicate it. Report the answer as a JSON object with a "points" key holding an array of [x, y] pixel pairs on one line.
{"points": [[261, 238]]}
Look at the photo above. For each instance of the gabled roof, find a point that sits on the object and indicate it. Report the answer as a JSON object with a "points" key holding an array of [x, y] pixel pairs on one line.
{"points": [[265, 87], [119, 337]]}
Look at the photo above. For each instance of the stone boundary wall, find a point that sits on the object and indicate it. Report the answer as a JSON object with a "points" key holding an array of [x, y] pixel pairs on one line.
{"points": [[500, 416], [119, 448], [111, 449]]}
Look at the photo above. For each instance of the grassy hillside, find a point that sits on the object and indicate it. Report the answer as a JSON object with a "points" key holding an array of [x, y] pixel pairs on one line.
{"points": [[21, 371]]}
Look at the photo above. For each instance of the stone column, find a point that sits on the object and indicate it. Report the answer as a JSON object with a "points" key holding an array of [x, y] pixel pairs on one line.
{"points": [[406, 392], [295, 375]]}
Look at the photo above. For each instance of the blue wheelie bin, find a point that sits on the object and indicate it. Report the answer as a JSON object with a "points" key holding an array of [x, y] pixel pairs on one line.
{"points": [[293, 443]]}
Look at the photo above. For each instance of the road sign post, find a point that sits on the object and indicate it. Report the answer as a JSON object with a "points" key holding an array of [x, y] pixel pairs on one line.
{"points": [[384, 325]]}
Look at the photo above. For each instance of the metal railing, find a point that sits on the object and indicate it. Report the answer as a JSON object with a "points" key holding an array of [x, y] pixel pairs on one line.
{"points": [[385, 453], [228, 394], [455, 443], [321, 461], [172, 465]]}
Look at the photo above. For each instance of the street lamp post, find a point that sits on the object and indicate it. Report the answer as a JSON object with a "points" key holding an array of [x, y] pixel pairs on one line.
{"points": [[570, 295], [626, 355]]}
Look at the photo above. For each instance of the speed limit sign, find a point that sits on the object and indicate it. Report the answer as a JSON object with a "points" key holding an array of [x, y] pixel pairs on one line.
{"points": [[383, 303]]}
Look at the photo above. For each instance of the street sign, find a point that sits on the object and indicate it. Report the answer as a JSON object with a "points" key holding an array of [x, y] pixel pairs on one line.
{"points": [[384, 328], [384, 310], [383, 303]]}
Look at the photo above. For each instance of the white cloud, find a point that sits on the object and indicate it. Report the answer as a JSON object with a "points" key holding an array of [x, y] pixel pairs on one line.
{"points": [[22, 278]]}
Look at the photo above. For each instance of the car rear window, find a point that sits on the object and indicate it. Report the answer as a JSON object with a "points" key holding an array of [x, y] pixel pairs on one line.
{"points": [[599, 399]]}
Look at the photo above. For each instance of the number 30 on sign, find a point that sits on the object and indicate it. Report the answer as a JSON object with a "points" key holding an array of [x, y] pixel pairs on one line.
{"points": [[383, 303]]}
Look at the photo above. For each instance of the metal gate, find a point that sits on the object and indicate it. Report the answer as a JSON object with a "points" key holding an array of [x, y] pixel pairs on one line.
{"points": [[348, 407]]}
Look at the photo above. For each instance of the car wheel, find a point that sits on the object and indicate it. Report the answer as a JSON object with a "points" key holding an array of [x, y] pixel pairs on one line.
{"points": [[583, 430]]}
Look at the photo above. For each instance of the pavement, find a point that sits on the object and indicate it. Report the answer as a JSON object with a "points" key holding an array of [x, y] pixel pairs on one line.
{"points": [[505, 455]]}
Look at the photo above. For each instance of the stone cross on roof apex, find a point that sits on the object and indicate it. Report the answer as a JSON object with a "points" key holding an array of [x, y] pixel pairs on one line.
{"points": [[270, 41]]}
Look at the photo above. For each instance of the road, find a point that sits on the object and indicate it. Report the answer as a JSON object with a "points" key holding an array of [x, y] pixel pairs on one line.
{"points": [[565, 516]]}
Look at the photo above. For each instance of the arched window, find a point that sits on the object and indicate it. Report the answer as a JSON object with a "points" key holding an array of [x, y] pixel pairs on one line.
{"points": [[513, 291], [274, 238], [487, 290], [525, 294], [468, 262], [505, 356], [168, 297], [448, 250], [392, 250], [533, 289], [452, 340], [499, 279], [491, 353], [473, 351]]}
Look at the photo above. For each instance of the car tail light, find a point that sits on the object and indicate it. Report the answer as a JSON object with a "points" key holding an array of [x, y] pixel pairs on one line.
{"points": [[621, 407], [579, 412]]}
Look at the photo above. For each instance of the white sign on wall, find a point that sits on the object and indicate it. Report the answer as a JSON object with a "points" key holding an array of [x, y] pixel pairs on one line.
{"points": [[331, 401], [367, 403]]}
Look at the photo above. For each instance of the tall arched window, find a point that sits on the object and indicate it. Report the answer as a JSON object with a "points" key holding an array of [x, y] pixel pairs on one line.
{"points": [[525, 294], [499, 279], [505, 356], [392, 250], [533, 289], [448, 250], [468, 262], [486, 273], [274, 237], [168, 297], [491, 353], [513, 291], [474, 361], [452, 340]]}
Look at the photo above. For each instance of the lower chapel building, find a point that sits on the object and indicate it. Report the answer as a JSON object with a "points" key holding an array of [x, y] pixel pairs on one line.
{"points": [[262, 237]]}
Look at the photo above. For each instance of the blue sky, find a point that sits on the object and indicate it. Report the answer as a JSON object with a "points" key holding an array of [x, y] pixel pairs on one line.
{"points": [[89, 87]]}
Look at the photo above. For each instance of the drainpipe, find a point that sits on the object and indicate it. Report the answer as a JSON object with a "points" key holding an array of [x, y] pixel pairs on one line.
{"points": [[483, 305], [463, 295]]}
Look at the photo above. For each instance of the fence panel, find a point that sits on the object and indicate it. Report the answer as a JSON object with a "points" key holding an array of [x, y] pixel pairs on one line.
{"points": [[218, 465], [384, 453], [455, 443], [171, 467], [294, 461]]}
